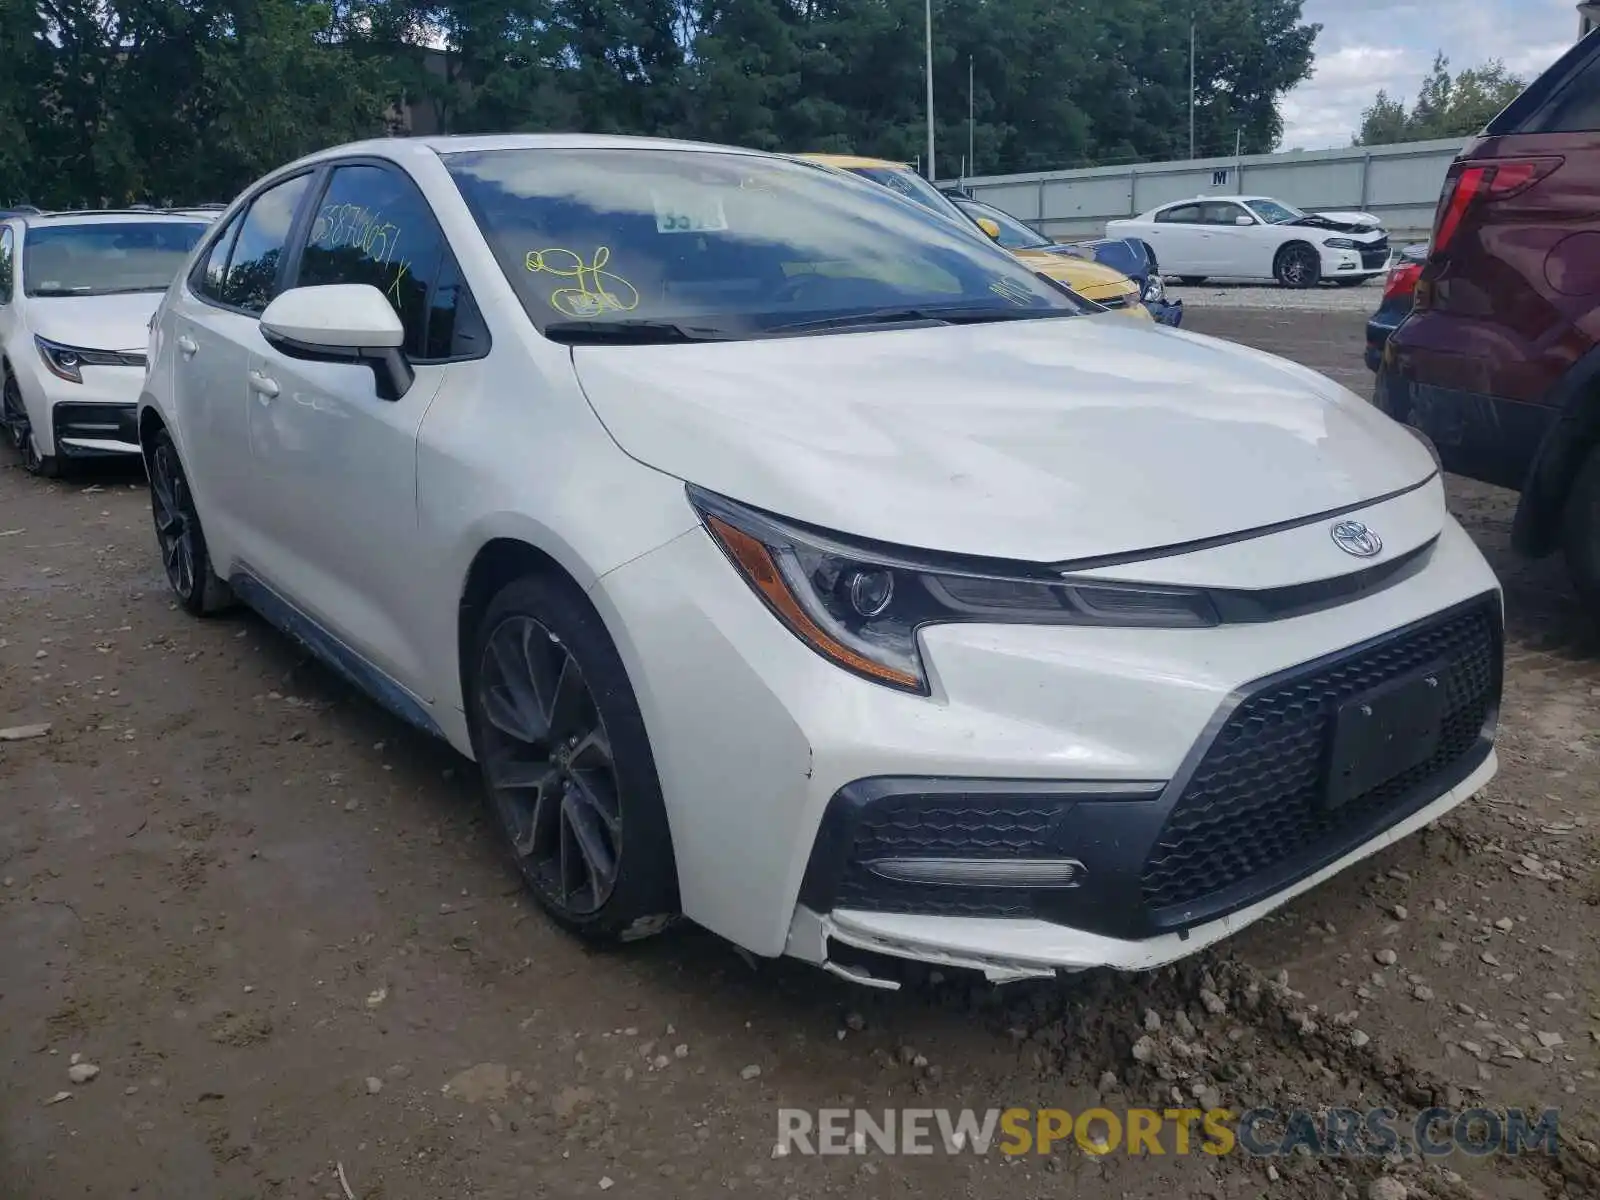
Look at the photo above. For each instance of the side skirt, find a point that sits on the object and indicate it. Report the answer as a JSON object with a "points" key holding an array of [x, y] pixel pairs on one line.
{"points": [[332, 652]]}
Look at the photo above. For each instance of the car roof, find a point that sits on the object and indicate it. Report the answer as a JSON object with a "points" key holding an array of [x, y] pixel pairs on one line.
{"points": [[1214, 199], [847, 161], [111, 216]]}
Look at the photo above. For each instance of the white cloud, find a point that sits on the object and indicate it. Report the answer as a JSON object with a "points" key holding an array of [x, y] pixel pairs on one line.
{"points": [[1370, 44]]}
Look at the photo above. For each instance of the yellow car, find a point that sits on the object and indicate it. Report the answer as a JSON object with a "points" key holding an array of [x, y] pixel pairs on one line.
{"points": [[1089, 279]]}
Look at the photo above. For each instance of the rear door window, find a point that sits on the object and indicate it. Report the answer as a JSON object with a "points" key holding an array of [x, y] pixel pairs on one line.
{"points": [[256, 263], [1183, 214]]}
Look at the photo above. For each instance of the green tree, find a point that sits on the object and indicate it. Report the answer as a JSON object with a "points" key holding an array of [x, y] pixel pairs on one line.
{"points": [[1446, 106]]}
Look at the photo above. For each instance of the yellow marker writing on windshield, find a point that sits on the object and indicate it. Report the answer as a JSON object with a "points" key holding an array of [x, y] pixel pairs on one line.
{"points": [[597, 291]]}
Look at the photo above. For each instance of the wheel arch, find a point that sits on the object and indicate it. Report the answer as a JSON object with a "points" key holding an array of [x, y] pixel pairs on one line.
{"points": [[150, 424], [1291, 244], [1572, 436], [501, 559]]}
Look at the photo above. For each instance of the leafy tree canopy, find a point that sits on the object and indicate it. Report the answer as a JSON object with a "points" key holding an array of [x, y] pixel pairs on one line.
{"points": [[184, 101], [1446, 105]]}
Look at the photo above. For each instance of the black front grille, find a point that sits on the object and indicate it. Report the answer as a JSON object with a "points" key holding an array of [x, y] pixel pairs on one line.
{"points": [[1375, 255], [1252, 809], [956, 826]]}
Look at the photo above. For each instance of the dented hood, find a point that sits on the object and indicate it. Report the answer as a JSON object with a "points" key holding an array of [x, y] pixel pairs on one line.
{"points": [[1042, 440]]}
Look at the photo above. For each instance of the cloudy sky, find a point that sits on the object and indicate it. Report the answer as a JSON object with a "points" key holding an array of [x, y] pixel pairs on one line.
{"points": [[1370, 44]]}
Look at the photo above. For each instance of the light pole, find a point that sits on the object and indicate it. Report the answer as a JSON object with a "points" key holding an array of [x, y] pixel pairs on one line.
{"points": [[1191, 87], [927, 10], [972, 162]]}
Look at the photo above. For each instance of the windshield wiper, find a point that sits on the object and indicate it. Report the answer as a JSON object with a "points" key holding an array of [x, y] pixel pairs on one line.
{"points": [[634, 332], [930, 314]]}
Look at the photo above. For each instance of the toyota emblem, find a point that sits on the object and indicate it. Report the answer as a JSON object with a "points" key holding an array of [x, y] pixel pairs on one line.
{"points": [[1355, 538]]}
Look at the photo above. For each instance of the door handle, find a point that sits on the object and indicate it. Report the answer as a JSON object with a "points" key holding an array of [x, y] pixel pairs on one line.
{"points": [[263, 384], [187, 346]]}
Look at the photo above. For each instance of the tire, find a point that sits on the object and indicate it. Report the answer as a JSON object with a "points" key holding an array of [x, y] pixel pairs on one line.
{"points": [[1580, 533], [22, 437], [179, 535], [1298, 265], [1192, 280], [579, 808]]}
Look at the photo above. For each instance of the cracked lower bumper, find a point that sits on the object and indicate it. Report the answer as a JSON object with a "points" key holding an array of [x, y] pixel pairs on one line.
{"points": [[1005, 950]]}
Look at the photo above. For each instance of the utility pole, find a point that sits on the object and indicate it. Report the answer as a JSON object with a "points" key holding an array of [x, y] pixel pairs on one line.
{"points": [[1191, 87], [1238, 166], [972, 161], [927, 12]]}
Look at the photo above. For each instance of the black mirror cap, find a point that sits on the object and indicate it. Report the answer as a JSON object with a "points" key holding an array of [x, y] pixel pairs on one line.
{"points": [[392, 375]]}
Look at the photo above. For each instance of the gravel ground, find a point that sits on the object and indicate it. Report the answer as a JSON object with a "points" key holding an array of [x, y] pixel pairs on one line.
{"points": [[1327, 298], [276, 923]]}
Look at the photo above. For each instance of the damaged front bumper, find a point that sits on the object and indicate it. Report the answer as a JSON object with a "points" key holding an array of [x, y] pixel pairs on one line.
{"points": [[1007, 950]]}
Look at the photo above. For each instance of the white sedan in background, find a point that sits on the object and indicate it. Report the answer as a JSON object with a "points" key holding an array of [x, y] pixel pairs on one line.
{"points": [[1254, 237]]}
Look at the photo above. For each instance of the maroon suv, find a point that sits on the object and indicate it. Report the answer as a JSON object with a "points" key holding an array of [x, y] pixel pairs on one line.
{"points": [[1499, 361]]}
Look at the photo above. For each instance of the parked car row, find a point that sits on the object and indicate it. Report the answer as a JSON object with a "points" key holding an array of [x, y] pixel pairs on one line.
{"points": [[792, 558], [1106, 285], [1123, 255]]}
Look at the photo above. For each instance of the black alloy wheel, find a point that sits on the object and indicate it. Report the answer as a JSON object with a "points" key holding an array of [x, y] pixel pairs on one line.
{"points": [[567, 764], [1298, 266], [179, 535], [549, 767]]}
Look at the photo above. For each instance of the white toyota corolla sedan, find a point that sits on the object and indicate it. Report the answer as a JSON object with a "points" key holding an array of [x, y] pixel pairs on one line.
{"points": [[795, 562]]}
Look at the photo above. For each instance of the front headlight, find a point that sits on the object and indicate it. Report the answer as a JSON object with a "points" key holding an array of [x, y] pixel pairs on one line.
{"points": [[62, 361], [1155, 290], [1339, 244], [860, 606]]}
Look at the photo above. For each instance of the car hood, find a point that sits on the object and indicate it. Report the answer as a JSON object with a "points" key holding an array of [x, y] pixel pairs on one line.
{"points": [[1342, 222], [1043, 440], [95, 322], [1077, 273]]}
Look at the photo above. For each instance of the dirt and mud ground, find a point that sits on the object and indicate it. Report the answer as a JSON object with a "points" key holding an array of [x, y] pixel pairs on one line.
{"points": [[277, 923]]}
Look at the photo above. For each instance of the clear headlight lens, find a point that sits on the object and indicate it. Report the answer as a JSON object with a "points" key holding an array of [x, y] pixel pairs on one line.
{"points": [[860, 607], [62, 361], [1155, 290], [1339, 244]]}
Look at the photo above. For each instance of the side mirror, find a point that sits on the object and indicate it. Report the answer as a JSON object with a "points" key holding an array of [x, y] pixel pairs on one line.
{"points": [[1241, 219], [342, 323], [989, 226]]}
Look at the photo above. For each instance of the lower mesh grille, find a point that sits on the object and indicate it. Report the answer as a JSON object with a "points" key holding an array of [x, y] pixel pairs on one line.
{"points": [[1254, 804]]}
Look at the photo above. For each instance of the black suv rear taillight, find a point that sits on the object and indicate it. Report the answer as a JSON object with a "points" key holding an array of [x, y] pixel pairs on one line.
{"points": [[1488, 181]]}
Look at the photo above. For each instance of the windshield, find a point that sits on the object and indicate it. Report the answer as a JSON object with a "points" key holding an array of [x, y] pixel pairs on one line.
{"points": [[1274, 213], [709, 244], [104, 258], [906, 182], [1014, 235]]}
